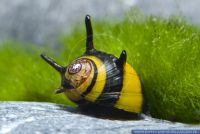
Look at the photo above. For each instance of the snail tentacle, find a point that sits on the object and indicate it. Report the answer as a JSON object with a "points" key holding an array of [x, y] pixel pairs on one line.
{"points": [[59, 90]]}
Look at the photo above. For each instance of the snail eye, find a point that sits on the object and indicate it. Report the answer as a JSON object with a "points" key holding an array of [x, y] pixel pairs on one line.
{"points": [[74, 67]]}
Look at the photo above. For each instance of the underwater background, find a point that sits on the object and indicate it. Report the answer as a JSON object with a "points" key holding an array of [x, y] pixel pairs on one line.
{"points": [[161, 39]]}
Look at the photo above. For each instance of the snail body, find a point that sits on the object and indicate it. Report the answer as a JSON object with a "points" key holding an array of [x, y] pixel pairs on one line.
{"points": [[101, 79]]}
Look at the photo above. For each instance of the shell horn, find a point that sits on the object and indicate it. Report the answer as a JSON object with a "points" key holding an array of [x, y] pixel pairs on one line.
{"points": [[89, 31], [53, 63], [122, 59]]}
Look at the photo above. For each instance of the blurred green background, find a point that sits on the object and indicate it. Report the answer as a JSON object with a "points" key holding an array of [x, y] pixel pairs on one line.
{"points": [[164, 52]]}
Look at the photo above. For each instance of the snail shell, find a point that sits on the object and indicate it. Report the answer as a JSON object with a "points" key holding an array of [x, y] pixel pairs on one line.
{"points": [[100, 78]]}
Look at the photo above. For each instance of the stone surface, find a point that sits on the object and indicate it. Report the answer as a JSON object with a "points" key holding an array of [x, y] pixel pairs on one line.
{"points": [[48, 118], [189, 9], [42, 21]]}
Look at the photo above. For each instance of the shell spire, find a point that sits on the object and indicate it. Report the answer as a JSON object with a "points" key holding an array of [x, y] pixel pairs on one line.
{"points": [[89, 34]]}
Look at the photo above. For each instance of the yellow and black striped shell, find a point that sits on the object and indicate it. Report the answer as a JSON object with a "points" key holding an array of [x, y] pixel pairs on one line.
{"points": [[100, 78]]}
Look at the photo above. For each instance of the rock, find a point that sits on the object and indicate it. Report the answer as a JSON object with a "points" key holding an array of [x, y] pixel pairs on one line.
{"points": [[189, 9], [42, 22], [37, 118]]}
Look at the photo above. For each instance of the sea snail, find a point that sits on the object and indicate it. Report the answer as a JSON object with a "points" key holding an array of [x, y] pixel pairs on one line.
{"points": [[100, 78]]}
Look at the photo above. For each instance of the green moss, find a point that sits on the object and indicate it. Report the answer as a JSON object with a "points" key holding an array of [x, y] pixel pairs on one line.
{"points": [[25, 77], [165, 53]]}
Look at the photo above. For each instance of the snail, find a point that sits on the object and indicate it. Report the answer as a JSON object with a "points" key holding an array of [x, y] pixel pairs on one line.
{"points": [[101, 79]]}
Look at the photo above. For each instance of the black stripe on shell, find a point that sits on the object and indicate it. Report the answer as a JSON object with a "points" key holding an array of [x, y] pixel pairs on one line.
{"points": [[114, 79], [89, 88], [82, 102]]}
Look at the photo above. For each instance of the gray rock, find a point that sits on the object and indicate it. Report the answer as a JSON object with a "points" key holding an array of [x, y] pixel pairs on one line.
{"points": [[189, 9], [42, 21], [47, 118]]}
